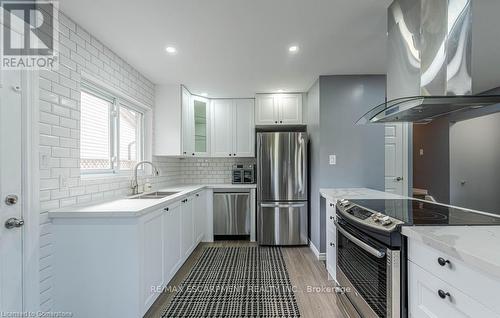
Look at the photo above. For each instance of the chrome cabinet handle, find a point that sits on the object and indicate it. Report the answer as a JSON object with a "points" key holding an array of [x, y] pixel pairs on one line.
{"points": [[373, 251], [165, 209], [13, 223], [331, 217], [331, 244], [399, 179]]}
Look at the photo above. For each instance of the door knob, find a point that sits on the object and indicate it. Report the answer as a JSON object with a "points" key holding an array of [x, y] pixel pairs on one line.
{"points": [[13, 222], [11, 199]]}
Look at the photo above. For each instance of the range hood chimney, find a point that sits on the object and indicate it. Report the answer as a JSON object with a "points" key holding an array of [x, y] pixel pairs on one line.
{"points": [[442, 56]]}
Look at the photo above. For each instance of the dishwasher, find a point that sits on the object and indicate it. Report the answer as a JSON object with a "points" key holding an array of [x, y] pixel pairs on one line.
{"points": [[231, 215]]}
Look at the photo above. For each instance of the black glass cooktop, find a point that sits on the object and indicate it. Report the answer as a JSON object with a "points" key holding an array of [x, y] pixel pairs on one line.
{"points": [[416, 212]]}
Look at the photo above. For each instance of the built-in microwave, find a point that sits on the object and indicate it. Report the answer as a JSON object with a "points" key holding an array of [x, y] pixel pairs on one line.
{"points": [[243, 174]]}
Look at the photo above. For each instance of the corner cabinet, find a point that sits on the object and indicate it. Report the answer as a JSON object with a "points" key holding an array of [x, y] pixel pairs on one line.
{"points": [[278, 109], [233, 128], [195, 125]]}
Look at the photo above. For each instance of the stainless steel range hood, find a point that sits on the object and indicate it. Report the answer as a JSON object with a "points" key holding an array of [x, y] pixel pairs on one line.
{"points": [[442, 56]]}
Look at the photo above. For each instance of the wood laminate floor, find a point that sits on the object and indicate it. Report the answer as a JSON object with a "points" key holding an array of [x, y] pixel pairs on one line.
{"points": [[314, 292]]}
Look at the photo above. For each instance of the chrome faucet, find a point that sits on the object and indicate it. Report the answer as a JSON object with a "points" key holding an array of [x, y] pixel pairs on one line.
{"points": [[135, 183]]}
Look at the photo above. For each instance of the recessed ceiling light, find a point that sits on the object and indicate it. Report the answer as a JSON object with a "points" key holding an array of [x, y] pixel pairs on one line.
{"points": [[171, 50], [204, 94], [293, 49]]}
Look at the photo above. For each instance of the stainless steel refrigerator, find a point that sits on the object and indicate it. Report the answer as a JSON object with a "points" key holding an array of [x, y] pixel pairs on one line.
{"points": [[282, 207]]}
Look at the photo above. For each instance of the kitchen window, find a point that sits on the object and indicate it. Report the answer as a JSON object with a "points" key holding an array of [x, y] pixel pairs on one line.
{"points": [[111, 132]]}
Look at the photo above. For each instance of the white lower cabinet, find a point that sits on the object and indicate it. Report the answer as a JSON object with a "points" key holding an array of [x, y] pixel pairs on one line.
{"points": [[199, 215], [117, 266], [430, 297], [331, 240], [152, 233], [172, 224], [440, 285], [187, 236]]}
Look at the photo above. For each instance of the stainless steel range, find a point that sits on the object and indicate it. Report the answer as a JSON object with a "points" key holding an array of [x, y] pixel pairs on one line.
{"points": [[371, 252], [368, 262]]}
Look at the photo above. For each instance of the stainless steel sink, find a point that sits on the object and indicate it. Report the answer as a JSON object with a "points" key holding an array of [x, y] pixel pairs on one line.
{"points": [[155, 195]]}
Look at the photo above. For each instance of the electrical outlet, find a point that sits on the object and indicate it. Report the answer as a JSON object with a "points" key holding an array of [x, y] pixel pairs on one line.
{"points": [[44, 162], [333, 159], [421, 151], [63, 181]]}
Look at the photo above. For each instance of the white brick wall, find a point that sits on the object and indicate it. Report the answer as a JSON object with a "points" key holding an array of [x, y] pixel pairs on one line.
{"points": [[210, 170], [60, 181]]}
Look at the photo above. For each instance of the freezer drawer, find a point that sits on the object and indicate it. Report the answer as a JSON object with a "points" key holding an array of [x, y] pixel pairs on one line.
{"points": [[282, 223], [231, 213]]}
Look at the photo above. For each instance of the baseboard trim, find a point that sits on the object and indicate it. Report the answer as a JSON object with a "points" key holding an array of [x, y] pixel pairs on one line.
{"points": [[319, 256]]}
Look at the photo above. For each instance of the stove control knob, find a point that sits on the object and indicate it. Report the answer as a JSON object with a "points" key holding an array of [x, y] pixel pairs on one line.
{"points": [[386, 221], [377, 217]]}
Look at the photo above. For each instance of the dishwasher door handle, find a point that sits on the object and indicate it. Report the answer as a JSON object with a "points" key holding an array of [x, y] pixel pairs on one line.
{"points": [[282, 205]]}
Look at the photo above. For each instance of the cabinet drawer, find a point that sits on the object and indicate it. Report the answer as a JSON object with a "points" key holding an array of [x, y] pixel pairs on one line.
{"points": [[425, 301], [480, 286]]}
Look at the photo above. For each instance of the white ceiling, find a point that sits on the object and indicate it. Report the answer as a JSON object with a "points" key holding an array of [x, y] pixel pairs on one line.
{"points": [[235, 48]]}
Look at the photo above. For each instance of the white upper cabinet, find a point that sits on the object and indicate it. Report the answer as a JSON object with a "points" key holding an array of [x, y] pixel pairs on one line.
{"points": [[290, 109], [187, 123], [233, 128], [195, 125], [222, 128], [167, 120], [244, 128], [278, 109], [266, 109]]}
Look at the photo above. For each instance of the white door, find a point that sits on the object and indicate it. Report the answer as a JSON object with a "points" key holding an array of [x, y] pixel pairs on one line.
{"points": [[187, 123], [172, 220], [187, 227], [266, 109], [244, 128], [396, 159], [11, 259], [290, 108], [153, 258], [222, 128]]}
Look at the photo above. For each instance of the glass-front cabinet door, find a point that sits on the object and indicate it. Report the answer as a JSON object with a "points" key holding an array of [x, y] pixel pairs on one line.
{"points": [[195, 125]]}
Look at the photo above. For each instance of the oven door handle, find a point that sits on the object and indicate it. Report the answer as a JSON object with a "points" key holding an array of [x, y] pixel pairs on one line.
{"points": [[373, 251]]}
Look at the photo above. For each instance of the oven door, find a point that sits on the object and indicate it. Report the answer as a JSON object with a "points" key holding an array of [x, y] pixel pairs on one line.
{"points": [[368, 274]]}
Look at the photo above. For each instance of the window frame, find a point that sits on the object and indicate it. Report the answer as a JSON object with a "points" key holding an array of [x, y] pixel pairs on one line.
{"points": [[114, 129]]}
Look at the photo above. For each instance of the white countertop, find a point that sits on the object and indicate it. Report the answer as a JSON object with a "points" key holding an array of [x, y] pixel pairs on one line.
{"points": [[477, 246], [127, 207], [355, 193]]}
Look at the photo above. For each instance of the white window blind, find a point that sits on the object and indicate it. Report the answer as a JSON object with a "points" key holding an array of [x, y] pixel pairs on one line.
{"points": [[95, 133]]}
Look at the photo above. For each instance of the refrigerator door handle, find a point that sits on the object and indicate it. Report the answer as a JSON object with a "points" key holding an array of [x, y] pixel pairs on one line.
{"points": [[282, 205]]}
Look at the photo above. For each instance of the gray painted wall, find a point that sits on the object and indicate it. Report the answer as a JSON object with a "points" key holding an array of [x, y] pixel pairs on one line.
{"points": [[475, 159], [313, 130], [343, 99], [431, 171]]}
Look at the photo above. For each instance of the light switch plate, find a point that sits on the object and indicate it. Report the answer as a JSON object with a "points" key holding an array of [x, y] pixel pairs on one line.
{"points": [[421, 151], [333, 159]]}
